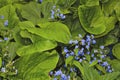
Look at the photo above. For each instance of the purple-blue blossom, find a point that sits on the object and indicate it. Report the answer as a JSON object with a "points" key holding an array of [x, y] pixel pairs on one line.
{"points": [[6, 23], [5, 38], [101, 47], [57, 73], [93, 41], [80, 60], [83, 42]]}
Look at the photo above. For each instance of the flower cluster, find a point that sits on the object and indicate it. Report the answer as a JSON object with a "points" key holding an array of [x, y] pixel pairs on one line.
{"points": [[5, 22], [60, 74], [84, 48], [56, 13]]}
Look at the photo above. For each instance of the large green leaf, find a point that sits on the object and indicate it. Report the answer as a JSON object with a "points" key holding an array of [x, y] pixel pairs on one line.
{"points": [[115, 64], [78, 65], [53, 31], [90, 73], [111, 76], [110, 24], [89, 2], [36, 66], [108, 7], [92, 19], [117, 10], [116, 50], [33, 13], [9, 14], [38, 46]]}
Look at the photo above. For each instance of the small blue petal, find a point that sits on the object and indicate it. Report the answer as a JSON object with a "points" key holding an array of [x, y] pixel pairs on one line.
{"points": [[6, 23], [80, 60], [101, 47], [94, 42], [5, 38]]}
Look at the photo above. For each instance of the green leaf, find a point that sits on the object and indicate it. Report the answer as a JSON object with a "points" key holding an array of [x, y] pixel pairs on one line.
{"points": [[53, 31], [93, 63], [91, 73], [76, 29], [89, 2], [9, 14], [111, 76], [116, 51], [12, 48], [110, 24], [115, 64], [33, 13], [0, 61], [65, 3], [69, 60], [108, 7], [38, 46], [92, 19], [100, 68], [36, 66], [117, 10], [77, 64]]}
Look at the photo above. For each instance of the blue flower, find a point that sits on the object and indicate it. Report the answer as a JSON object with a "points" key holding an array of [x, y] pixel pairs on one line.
{"points": [[63, 77], [92, 55], [101, 47], [5, 38], [105, 63], [55, 79], [80, 60], [88, 52], [83, 42], [76, 46], [99, 61], [66, 50], [87, 46], [102, 56], [62, 16], [93, 41], [71, 41], [57, 73], [40, 1], [72, 53], [3, 69], [67, 55], [2, 17], [6, 23]]}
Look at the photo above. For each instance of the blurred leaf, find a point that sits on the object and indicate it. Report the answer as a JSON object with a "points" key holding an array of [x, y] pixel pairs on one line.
{"points": [[110, 24], [92, 19], [76, 29], [90, 73], [68, 60], [31, 11], [115, 64], [65, 3], [93, 63], [38, 46], [36, 66], [100, 68], [109, 6], [53, 31], [89, 2], [116, 50], [77, 64], [117, 10], [9, 14], [111, 76], [0, 61]]}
